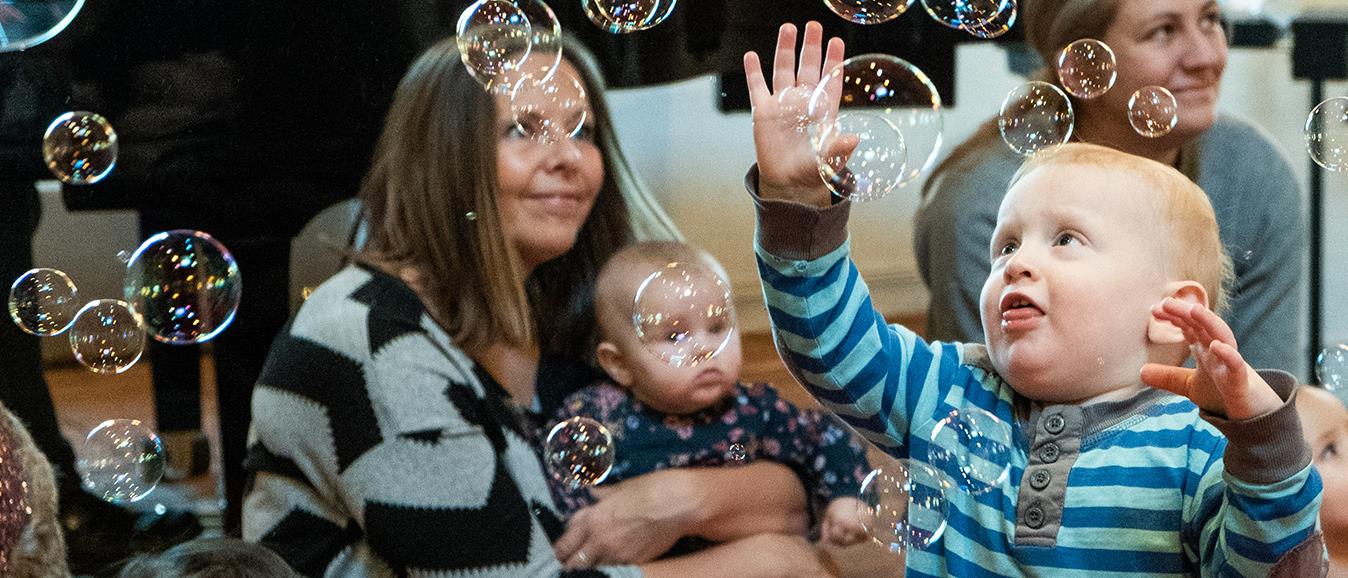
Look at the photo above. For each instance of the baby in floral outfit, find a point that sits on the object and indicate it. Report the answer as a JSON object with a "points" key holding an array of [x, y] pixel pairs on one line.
{"points": [[685, 414]]}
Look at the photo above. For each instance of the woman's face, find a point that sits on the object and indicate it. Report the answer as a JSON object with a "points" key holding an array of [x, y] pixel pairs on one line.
{"points": [[546, 188], [1177, 44]]}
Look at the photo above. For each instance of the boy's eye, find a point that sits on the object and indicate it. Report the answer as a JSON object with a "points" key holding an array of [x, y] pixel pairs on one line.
{"points": [[1065, 239], [1007, 248]]}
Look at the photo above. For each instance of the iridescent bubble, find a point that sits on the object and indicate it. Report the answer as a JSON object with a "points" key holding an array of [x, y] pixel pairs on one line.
{"points": [[1087, 68], [121, 461], [736, 453], [550, 109], [579, 452], [868, 11], [1327, 134], [124, 256], [185, 285], [107, 336], [624, 16], [1035, 116], [795, 107], [1331, 367], [1152, 111], [998, 25], [43, 302], [502, 40], [973, 447], [27, 23], [683, 314], [80, 148], [886, 86], [903, 505], [964, 14], [870, 170]]}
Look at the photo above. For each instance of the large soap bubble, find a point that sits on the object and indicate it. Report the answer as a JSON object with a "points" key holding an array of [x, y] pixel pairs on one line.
{"points": [[1034, 116], [904, 505], [80, 148], [27, 23], [579, 452], [185, 285], [121, 461], [683, 314]]}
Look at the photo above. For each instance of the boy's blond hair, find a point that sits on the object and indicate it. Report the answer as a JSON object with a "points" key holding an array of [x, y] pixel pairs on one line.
{"points": [[616, 287], [1193, 247]]}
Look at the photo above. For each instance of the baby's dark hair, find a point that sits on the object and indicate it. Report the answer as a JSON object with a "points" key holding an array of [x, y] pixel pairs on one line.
{"points": [[210, 558]]}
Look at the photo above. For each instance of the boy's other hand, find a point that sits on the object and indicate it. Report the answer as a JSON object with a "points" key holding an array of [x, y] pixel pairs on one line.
{"points": [[1223, 384], [787, 169], [842, 523]]}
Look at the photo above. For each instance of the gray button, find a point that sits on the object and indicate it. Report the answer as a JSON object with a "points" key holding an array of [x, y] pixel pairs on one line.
{"points": [[1040, 479], [1055, 423], [1049, 453], [1034, 517]]}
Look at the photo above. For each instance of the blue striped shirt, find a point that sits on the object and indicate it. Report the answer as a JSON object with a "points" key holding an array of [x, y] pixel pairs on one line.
{"points": [[1148, 493]]}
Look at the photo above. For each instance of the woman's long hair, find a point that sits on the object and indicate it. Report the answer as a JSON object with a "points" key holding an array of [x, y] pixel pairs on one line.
{"points": [[436, 162]]}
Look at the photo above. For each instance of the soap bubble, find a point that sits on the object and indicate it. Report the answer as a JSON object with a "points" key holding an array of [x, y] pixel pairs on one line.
{"points": [[973, 447], [1087, 68], [502, 40], [868, 11], [889, 87], [185, 285], [1327, 134], [28, 23], [876, 166], [549, 109], [43, 302], [998, 25], [736, 453], [121, 461], [107, 336], [964, 14], [1035, 116], [1152, 111], [579, 452], [795, 106], [904, 505], [80, 148], [625, 16], [683, 314], [1331, 367]]}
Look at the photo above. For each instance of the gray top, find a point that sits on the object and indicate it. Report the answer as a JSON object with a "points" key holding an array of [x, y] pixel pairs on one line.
{"points": [[1258, 204]]}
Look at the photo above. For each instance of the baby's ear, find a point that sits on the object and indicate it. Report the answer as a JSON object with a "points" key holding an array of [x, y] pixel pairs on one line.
{"points": [[1165, 333], [611, 359]]}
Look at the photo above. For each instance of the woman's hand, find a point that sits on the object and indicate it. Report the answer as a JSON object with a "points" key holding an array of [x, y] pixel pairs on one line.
{"points": [[633, 522], [1223, 384], [786, 157]]}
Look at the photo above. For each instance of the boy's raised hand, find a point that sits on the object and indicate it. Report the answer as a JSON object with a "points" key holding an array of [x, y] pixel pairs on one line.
{"points": [[1223, 384], [786, 158]]}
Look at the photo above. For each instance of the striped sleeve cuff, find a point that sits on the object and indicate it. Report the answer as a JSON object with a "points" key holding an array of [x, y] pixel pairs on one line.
{"points": [[797, 231]]}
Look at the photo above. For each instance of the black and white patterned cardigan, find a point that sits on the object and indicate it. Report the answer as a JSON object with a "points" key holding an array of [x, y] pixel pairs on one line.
{"points": [[379, 449]]}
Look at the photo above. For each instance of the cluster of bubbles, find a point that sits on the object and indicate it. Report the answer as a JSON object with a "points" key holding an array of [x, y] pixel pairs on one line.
{"points": [[1326, 134], [579, 452], [121, 460], [1331, 367], [683, 314], [180, 287]]}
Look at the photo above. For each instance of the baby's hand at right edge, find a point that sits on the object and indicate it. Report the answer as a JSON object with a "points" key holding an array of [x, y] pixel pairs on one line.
{"points": [[842, 523]]}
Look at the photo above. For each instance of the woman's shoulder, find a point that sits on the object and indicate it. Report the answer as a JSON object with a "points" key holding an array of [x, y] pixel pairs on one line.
{"points": [[1236, 153]]}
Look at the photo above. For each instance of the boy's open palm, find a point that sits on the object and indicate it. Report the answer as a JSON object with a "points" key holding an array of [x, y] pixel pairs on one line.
{"points": [[786, 157], [1223, 383]]}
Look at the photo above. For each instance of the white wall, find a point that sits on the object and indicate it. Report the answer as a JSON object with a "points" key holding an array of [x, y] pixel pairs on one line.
{"points": [[694, 158]]}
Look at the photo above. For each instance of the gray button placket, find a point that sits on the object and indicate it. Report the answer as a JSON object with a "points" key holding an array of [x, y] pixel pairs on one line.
{"points": [[1043, 486]]}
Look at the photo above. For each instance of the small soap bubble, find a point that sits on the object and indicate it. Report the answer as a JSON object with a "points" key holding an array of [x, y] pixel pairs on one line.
{"points": [[998, 25], [1152, 111], [683, 314], [869, 170], [27, 23], [80, 148], [868, 11], [1331, 367], [1327, 134], [121, 461], [124, 256], [550, 109], [973, 447], [306, 293], [43, 302], [626, 16], [736, 453], [1035, 116], [1087, 68], [107, 336], [903, 505], [185, 285], [470, 215], [964, 14], [579, 452]]}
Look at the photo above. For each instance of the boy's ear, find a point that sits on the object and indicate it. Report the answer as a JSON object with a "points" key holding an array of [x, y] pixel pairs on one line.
{"points": [[1165, 333], [611, 359]]}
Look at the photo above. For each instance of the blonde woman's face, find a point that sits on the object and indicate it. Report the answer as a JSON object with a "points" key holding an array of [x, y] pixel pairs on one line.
{"points": [[546, 189], [1177, 44]]}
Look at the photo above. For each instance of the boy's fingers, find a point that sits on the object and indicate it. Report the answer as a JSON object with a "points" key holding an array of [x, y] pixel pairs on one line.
{"points": [[811, 50], [753, 76], [784, 61], [1169, 378], [1214, 326]]}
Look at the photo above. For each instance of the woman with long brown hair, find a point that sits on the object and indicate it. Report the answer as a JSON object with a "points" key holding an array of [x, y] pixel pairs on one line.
{"points": [[390, 428], [1177, 44]]}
